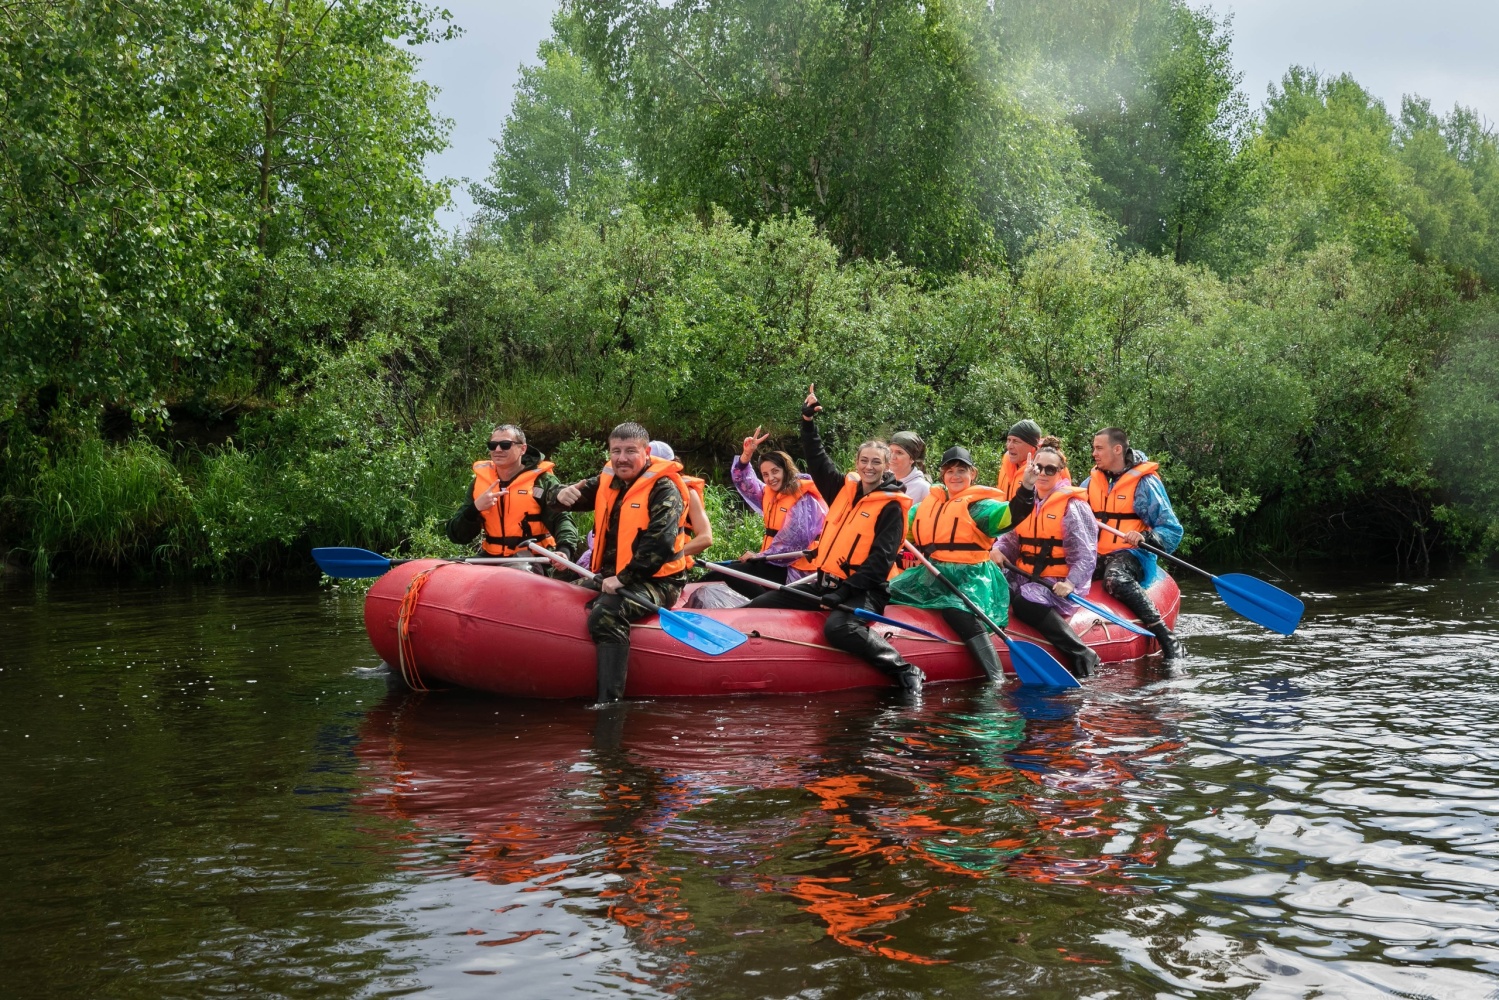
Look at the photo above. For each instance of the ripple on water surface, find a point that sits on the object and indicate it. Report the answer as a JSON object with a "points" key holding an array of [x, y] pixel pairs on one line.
{"points": [[1302, 817]]}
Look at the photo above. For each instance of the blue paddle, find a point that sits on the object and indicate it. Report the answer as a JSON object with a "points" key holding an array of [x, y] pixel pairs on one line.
{"points": [[702, 633], [1033, 665], [863, 613], [344, 563], [1097, 609], [1253, 598]]}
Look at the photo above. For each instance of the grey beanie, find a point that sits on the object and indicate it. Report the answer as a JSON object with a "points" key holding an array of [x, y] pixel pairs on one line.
{"points": [[1028, 431]]}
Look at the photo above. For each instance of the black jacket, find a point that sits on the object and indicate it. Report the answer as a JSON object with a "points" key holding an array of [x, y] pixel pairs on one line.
{"points": [[870, 576]]}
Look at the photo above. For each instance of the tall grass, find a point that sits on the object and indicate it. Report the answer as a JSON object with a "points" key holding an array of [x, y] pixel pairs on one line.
{"points": [[110, 505]]}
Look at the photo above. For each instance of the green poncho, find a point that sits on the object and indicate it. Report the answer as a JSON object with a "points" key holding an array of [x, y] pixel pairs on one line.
{"points": [[982, 582]]}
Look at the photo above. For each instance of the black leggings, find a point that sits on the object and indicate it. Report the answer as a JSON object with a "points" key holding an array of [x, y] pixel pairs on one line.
{"points": [[1047, 620], [846, 632], [964, 624]]}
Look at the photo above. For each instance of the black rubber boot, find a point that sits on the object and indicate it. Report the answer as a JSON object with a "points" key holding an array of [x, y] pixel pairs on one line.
{"points": [[1075, 655], [613, 665], [1172, 649], [982, 648], [1130, 594]]}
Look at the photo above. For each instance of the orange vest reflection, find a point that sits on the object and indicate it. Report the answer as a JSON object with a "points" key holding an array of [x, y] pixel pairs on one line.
{"points": [[833, 806]]}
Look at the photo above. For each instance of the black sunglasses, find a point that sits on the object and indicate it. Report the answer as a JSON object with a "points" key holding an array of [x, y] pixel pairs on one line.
{"points": [[1048, 470], [502, 445]]}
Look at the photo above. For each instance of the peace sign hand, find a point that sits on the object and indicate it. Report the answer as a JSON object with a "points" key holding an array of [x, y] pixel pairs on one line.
{"points": [[755, 440], [811, 408]]}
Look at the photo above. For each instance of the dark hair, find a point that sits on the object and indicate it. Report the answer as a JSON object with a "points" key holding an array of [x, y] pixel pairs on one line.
{"points": [[1054, 445], [1116, 436], [630, 431], [912, 444], [520, 435], [791, 482]]}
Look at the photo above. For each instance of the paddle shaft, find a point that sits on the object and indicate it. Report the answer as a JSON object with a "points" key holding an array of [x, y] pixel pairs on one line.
{"points": [[481, 560], [1163, 554], [589, 574], [815, 599], [1101, 612], [777, 557]]}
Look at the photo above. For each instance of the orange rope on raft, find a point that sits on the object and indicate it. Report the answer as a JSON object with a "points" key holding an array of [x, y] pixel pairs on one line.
{"points": [[407, 658]]}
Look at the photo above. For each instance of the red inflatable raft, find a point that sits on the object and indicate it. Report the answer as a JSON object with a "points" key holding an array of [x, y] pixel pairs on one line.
{"points": [[514, 633]]}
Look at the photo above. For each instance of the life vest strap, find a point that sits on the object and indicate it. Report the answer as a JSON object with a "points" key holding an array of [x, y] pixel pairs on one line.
{"points": [[933, 547]]}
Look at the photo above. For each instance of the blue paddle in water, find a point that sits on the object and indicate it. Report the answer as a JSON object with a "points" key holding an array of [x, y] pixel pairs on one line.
{"points": [[702, 633], [345, 563], [1253, 598], [864, 613], [1033, 665], [1097, 609]]}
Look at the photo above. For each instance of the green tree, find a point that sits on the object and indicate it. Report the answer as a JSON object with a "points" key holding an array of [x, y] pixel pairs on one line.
{"points": [[890, 124], [1161, 128], [154, 156], [563, 150]]}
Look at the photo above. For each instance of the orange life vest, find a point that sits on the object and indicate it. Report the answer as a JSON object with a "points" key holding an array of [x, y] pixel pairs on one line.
{"points": [[944, 529], [694, 485], [634, 516], [1043, 548], [848, 531], [516, 516], [1010, 476], [1115, 505], [775, 507]]}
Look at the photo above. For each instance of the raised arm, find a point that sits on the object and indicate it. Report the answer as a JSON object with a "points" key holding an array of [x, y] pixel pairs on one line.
{"points": [[748, 484]]}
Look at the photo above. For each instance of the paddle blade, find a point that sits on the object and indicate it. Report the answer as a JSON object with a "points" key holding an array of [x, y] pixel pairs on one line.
{"points": [[702, 633], [1109, 616], [343, 563], [1260, 602], [1035, 667]]}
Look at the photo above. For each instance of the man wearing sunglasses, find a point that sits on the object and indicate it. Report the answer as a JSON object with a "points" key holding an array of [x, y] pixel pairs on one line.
{"points": [[507, 504]]}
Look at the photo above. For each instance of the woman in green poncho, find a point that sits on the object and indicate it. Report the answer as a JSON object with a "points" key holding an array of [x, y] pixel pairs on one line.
{"points": [[955, 527]]}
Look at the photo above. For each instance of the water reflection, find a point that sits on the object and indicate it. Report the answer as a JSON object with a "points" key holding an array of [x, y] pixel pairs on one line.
{"points": [[865, 825]]}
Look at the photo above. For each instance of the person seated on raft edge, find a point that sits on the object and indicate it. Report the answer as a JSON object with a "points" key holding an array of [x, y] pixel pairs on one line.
{"points": [[790, 505], [1126, 493], [860, 539], [1020, 447], [638, 502], [1059, 543], [508, 503], [695, 521], [955, 527]]}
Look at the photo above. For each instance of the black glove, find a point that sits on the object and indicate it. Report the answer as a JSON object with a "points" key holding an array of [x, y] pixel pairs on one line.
{"points": [[834, 600], [808, 412]]}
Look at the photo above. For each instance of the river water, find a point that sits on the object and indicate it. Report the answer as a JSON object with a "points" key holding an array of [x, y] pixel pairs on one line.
{"points": [[212, 791]]}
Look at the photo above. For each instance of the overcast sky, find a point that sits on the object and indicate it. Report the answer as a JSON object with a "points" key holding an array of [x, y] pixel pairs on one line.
{"points": [[1440, 49]]}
